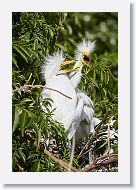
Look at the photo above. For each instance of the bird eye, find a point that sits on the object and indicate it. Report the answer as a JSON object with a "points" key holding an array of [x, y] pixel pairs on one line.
{"points": [[86, 58]]}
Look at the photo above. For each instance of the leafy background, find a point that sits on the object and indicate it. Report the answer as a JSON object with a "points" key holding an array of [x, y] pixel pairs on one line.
{"points": [[34, 36]]}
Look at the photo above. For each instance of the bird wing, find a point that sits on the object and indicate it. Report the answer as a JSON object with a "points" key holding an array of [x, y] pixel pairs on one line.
{"points": [[74, 121], [86, 99], [87, 110], [86, 120], [87, 113], [95, 121]]}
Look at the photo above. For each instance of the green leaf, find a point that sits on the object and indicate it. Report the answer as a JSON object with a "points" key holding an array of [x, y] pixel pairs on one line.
{"points": [[94, 82], [32, 156], [25, 100], [38, 134], [51, 33], [23, 119], [21, 53], [14, 61], [18, 112], [61, 46], [14, 160], [25, 50], [22, 155], [36, 167]]}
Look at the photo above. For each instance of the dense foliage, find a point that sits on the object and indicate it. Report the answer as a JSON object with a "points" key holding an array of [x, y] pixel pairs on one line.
{"points": [[34, 36]]}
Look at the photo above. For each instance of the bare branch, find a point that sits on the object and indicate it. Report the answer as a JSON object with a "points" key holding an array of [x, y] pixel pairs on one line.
{"points": [[94, 134], [58, 92], [108, 138], [101, 161], [29, 78], [62, 163], [29, 88]]}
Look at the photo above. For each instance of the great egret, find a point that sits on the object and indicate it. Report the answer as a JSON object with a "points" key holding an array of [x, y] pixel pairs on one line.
{"points": [[65, 107], [86, 122], [66, 110], [79, 108], [76, 114]]}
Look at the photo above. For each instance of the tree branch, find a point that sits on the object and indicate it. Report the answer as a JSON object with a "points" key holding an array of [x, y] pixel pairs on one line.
{"points": [[62, 163], [29, 88], [112, 159], [93, 135]]}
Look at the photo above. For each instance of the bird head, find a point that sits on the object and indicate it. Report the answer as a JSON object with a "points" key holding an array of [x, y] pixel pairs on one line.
{"points": [[53, 65], [84, 51], [85, 58]]}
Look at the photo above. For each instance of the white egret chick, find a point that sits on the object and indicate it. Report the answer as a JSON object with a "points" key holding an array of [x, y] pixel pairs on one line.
{"points": [[86, 121], [64, 107]]}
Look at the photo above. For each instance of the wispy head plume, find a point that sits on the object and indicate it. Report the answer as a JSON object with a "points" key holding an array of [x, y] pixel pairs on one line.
{"points": [[84, 46], [52, 64]]}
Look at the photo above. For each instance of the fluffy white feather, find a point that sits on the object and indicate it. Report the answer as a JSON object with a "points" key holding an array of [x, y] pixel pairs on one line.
{"points": [[52, 65], [64, 108], [84, 46], [85, 121]]}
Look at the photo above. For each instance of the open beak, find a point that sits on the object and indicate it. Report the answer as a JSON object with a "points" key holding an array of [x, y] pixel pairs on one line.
{"points": [[67, 62], [86, 59], [67, 71], [62, 71]]}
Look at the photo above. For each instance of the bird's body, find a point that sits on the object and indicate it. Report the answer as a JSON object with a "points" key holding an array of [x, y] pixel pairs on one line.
{"points": [[85, 119], [76, 112], [86, 122], [63, 106]]}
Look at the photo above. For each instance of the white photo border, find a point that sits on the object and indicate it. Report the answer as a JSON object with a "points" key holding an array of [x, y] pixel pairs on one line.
{"points": [[123, 174]]}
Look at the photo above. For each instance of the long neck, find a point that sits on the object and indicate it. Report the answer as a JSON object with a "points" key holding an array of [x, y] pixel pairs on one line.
{"points": [[75, 77]]}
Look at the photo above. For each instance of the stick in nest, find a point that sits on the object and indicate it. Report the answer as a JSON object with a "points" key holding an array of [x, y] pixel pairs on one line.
{"points": [[94, 134], [62, 163]]}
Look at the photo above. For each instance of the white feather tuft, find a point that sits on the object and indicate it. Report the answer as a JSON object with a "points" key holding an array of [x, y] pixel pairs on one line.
{"points": [[84, 46], [52, 65]]}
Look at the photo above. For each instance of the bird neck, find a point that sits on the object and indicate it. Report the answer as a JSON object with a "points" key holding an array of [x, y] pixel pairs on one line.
{"points": [[75, 77]]}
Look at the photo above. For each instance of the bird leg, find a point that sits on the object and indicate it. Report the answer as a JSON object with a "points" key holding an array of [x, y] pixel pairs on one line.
{"points": [[72, 154]]}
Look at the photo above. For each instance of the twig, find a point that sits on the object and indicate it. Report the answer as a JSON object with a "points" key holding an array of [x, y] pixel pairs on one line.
{"points": [[95, 166], [108, 137], [94, 134], [29, 88], [26, 88], [33, 82], [62, 163], [29, 78], [105, 156], [58, 92]]}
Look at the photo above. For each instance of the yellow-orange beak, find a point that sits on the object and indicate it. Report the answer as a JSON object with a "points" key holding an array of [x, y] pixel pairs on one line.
{"points": [[67, 71], [62, 71], [68, 62], [86, 58]]}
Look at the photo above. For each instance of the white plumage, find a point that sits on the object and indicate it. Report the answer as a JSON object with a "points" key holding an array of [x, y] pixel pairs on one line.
{"points": [[75, 114], [86, 121], [65, 108], [84, 46]]}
